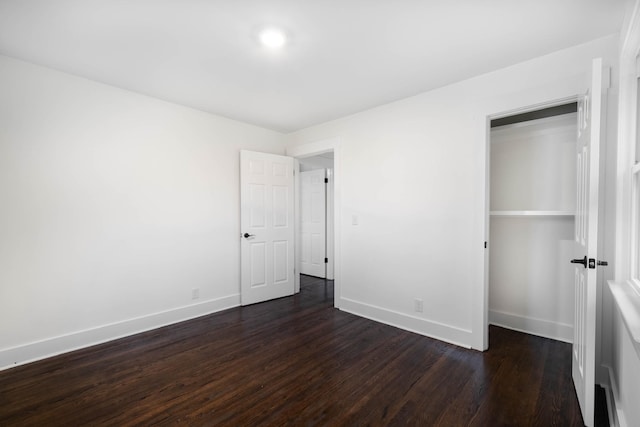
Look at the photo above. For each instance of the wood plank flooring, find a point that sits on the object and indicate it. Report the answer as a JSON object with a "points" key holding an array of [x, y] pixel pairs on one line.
{"points": [[295, 361]]}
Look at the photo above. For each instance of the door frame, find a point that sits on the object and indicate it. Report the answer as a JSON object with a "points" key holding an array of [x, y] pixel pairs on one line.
{"points": [[309, 150], [487, 201]]}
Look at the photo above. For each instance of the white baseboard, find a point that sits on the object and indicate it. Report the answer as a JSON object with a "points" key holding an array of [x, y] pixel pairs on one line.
{"points": [[529, 325], [54, 346], [439, 331], [608, 393], [616, 416]]}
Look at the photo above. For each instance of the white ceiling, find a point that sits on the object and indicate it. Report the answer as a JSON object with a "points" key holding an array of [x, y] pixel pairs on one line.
{"points": [[344, 56]]}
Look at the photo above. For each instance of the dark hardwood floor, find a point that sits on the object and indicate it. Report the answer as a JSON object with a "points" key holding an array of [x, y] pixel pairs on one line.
{"points": [[295, 361]]}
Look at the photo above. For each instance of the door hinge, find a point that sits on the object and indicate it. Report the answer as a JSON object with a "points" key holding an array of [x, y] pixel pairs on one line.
{"points": [[485, 245], [326, 180], [326, 260]]}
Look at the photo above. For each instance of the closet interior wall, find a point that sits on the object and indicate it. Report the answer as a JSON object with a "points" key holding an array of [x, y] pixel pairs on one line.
{"points": [[533, 182]]}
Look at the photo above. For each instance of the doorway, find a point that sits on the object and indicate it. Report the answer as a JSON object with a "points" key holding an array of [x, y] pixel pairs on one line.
{"points": [[316, 215], [324, 151], [531, 220]]}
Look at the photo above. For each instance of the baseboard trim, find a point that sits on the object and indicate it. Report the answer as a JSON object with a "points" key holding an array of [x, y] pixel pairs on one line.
{"points": [[616, 416], [608, 394], [439, 331], [529, 325], [27, 353]]}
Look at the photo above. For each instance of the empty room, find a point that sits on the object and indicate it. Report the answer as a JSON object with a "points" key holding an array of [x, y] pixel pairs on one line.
{"points": [[346, 212]]}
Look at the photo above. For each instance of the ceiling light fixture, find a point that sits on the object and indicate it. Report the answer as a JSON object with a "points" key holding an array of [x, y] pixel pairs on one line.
{"points": [[272, 38]]}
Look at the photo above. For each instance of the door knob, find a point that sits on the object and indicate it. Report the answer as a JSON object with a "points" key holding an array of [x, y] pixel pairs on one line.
{"points": [[582, 261], [247, 235], [593, 263]]}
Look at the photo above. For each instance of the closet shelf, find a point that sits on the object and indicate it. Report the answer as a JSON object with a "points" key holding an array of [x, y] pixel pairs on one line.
{"points": [[532, 213]]}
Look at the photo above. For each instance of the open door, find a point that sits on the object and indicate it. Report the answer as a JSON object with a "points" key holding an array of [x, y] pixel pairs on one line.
{"points": [[586, 242], [267, 227], [313, 222]]}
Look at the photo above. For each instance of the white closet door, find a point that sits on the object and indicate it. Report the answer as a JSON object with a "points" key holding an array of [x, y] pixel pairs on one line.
{"points": [[313, 222], [586, 235]]}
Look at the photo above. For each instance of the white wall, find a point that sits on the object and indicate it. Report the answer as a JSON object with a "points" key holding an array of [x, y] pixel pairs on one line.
{"points": [[314, 163], [625, 373], [115, 206], [413, 172], [531, 281]]}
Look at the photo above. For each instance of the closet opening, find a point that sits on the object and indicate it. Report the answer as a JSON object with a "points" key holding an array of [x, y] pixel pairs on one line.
{"points": [[532, 204]]}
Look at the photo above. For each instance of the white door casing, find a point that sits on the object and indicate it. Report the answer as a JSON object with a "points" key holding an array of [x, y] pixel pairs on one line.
{"points": [[334, 145], [313, 222], [267, 226], [585, 236]]}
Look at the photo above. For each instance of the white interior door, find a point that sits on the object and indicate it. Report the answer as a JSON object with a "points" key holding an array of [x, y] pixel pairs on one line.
{"points": [[313, 222], [267, 226], [586, 235]]}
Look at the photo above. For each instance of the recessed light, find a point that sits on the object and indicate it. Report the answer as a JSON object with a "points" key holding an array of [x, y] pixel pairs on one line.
{"points": [[272, 38]]}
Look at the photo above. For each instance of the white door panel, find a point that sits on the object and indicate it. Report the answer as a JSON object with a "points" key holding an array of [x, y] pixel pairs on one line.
{"points": [[586, 234], [266, 219], [313, 227]]}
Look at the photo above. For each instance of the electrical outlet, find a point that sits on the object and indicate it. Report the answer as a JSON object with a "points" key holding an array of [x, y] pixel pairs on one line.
{"points": [[417, 305], [195, 293]]}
